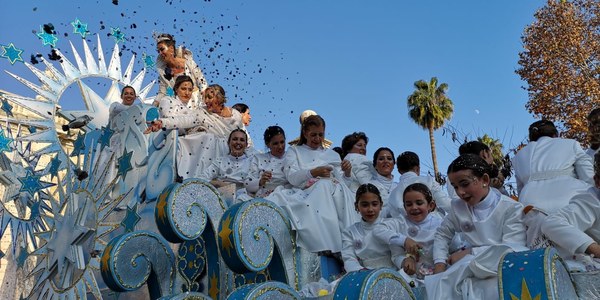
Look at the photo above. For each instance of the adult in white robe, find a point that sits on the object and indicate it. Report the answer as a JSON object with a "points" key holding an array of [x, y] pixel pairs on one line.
{"points": [[354, 150], [383, 162], [362, 250], [173, 61], [266, 169], [549, 170], [320, 205]]}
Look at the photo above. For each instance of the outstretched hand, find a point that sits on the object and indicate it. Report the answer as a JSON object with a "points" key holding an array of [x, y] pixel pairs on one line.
{"points": [[153, 126]]}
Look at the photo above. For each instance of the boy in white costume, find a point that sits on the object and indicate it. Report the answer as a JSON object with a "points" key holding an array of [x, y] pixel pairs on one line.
{"points": [[489, 221]]}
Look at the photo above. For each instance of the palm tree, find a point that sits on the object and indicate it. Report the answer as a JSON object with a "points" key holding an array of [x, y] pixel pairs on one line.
{"points": [[429, 107]]}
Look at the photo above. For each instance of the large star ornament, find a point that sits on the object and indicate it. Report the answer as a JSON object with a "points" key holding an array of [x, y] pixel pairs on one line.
{"points": [[124, 163], [7, 108], [47, 38], [131, 219], [148, 61], [80, 28], [5, 142], [11, 53], [105, 136]]}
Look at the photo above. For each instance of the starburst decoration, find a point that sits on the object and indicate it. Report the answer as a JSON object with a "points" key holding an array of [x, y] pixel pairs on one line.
{"points": [[47, 38], [80, 28], [225, 234], [525, 294], [117, 34], [11, 53], [32, 184]]}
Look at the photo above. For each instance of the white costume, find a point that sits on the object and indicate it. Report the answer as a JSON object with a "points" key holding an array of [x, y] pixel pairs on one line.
{"points": [[493, 227], [205, 136], [319, 208], [550, 170], [394, 233], [166, 83], [395, 206], [362, 250], [229, 169], [362, 171], [576, 226], [384, 185], [259, 163]]}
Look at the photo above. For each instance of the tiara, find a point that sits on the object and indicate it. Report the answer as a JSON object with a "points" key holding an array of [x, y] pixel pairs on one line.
{"points": [[161, 37]]}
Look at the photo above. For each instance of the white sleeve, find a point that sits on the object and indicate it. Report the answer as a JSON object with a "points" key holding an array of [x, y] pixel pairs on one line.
{"points": [[388, 232], [296, 176], [211, 172], [351, 262], [253, 179], [441, 198], [443, 236], [584, 164], [567, 226]]}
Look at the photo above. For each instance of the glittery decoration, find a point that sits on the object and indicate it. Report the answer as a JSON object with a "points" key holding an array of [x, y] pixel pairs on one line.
{"points": [[47, 38], [373, 284], [587, 284], [117, 34], [11, 53], [265, 291], [188, 296], [130, 259], [80, 28]]}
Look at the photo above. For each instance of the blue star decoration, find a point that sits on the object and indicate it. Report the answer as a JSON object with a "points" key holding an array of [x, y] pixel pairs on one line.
{"points": [[80, 28], [105, 136], [117, 34], [47, 38], [78, 145], [12, 53], [5, 142], [131, 219], [22, 257], [124, 163], [148, 61], [30, 183], [7, 108], [54, 166]]}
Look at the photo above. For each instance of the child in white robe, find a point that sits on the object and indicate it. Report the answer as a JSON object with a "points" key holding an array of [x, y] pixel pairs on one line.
{"points": [[266, 169], [361, 250], [489, 221], [410, 236]]}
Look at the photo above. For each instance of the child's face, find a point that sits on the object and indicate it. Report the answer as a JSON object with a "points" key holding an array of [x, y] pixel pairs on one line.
{"points": [[468, 187], [416, 206], [369, 206]]}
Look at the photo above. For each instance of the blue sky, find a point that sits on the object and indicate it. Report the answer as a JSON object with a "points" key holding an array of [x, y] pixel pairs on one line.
{"points": [[354, 62]]}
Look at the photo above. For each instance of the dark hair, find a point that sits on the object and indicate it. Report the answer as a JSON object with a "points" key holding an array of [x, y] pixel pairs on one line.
{"points": [[165, 38], [234, 131], [597, 164], [350, 140], [127, 87], [181, 79], [241, 107], [314, 120], [367, 188], [542, 128], [339, 151], [406, 161], [594, 128], [472, 162], [473, 147], [272, 131], [376, 154], [421, 188]]}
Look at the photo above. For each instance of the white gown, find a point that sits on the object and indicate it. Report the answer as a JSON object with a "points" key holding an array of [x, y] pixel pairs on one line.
{"points": [[549, 172], [259, 163], [362, 250], [394, 233], [493, 227], [395, 206], [319, 208], [203, 135], [231, 169], [362, 171]]}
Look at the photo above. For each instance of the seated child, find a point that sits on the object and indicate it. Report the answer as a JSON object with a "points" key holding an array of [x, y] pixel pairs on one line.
{"points": [[360, 249], [410, 236]]}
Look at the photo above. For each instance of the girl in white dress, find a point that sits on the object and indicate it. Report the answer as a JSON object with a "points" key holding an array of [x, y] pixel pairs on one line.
{"points": [[410, 236], [266, 169], [361, 250], [489, 221], [320, 205], [354, 150], [384, 162]]}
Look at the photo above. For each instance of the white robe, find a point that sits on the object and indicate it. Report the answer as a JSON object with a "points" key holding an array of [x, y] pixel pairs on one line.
{"points": [[362, 250], [493, 227], [384, 185], [259, 163], [576, 226], [165, 86], [228, 169], [319, 208], [394, 233], [395, 206], [362, 171], [203, 134], [549, 172]]}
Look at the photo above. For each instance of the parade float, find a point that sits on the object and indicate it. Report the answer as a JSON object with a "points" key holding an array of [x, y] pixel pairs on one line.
{"points": [[92, 209]]}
